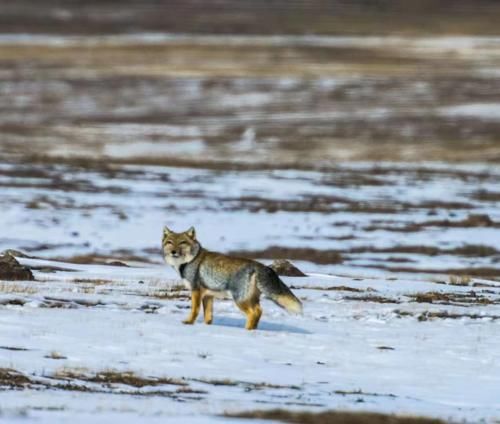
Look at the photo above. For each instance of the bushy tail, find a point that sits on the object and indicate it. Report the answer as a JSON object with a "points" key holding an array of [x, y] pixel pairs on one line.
{"points": [[271, 286]]}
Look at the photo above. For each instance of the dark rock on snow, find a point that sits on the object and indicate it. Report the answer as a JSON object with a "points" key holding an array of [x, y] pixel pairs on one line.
{"points": [[11, 269]]}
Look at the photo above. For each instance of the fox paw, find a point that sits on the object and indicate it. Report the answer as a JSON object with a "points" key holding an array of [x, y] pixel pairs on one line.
{"points": [[188, 321]]}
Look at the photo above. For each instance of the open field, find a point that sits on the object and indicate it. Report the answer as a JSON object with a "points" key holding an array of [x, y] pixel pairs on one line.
{"points": [[100, 342], [164, 98], [351, 219], [401, 299], [359, 139]]}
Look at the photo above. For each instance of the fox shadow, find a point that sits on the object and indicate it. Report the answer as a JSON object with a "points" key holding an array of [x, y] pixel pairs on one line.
{"points": [[263, 325]]}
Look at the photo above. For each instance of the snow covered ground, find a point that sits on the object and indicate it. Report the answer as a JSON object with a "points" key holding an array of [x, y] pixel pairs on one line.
{"points": [[369, 161], [362, 344], [430, 219], [386, 326]]}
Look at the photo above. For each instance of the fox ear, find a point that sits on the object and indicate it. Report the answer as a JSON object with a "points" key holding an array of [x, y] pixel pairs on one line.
{"points": [[191, 233], [166, 230]]}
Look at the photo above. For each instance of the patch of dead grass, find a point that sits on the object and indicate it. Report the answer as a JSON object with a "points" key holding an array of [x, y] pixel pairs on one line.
{"points": [[332, 417], [372, 298], [481, 272], [462, 299], [55, 355], [168, 292], [95, 282], [247, 385], [170, 295], [329, 288], [109, 377], [459, 280], [471, 221], [322, 257], [430, 315], [13, 379], [360, 392], [17, 288]]}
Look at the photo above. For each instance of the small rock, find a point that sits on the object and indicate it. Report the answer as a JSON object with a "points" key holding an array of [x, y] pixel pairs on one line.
{"points": [[286, 268], [479, 220], [385, 348], [16, 253], [117, 263], [12, 270]]}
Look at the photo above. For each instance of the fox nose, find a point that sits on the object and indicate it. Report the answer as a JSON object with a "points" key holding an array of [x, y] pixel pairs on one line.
{"points": [[174, 253]]}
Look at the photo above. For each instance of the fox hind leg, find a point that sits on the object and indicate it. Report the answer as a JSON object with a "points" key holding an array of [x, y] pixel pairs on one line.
{"points": [[208, 309], [253, 313], [195, 307], [254, 317]]}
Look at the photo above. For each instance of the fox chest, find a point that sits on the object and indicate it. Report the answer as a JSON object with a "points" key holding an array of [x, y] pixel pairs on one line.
{"points": [[205, 278]]}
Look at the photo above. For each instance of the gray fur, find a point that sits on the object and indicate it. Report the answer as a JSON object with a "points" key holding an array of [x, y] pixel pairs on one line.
{"points": [[214, 274], [201, 275]]}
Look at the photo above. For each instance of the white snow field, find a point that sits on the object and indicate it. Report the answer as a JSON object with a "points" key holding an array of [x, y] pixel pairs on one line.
{"points": [[361, 344], [401, 301], [380, 217]]}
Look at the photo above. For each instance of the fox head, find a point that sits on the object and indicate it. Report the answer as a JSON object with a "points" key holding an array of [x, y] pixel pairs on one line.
{"points": [[179, 248]]}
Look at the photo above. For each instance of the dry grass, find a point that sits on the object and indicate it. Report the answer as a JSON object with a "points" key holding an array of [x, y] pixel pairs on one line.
{"points": [[55, 355], [109, 377], [169, 295], [462, 299], [13, 379], [480, 272], [221, 60], [372, 298], [430, 315], [471, 221], [86, 290], [7, 287], [329, 288], [94, 282], [247, 385], [332, 417], [459, 280], [92, 259], [89, 286], [324, 257], [167, 291]]}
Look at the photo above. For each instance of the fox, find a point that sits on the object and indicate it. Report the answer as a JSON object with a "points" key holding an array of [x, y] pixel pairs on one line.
{"points": [[212, 275]]}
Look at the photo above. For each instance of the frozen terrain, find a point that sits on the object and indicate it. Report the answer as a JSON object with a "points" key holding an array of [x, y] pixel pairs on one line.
{"points": [[401, 299], [95, 342], [357, 139], [353, 219], [160, 98]]}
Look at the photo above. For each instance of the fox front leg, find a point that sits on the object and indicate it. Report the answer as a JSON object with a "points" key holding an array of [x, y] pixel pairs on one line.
{"points": [[208, 309], [195, 307]]}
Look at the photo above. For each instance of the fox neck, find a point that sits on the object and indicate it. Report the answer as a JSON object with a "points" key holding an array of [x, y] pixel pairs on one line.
{"points": [[179, 264]]}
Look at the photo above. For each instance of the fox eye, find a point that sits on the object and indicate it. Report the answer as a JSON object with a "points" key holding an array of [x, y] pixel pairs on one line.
{"points": [[169, 243], [183, 243]]}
